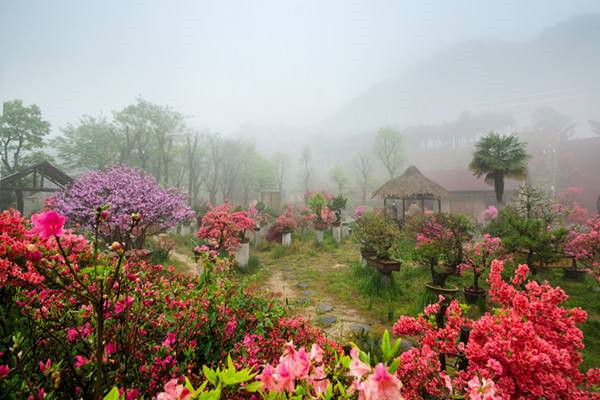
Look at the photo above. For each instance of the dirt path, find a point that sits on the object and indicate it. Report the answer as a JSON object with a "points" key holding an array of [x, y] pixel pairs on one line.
{"points": [[337, 319], [192, 267]]}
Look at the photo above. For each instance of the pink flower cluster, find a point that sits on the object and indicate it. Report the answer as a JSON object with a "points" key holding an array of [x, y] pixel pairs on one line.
{"points": [[490, 213], [373, 383], [583, 243], [432, 231], [359, 211], [530, 346], [223, 229], [327, 215], [295, 365]]}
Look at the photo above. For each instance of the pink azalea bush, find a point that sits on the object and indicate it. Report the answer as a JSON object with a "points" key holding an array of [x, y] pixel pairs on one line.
{"points": [[285, 223], [478, 256], [528, 348], [223, 229], [359, 211], [125, 191], [490, 213], [583, 243], [81, 318]]}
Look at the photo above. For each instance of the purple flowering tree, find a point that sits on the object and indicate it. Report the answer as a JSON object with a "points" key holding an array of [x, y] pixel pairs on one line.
{"points": [[126, 192]]}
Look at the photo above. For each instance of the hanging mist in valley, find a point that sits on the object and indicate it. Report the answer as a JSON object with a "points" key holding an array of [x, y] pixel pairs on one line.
{"points": [[238, 99]]}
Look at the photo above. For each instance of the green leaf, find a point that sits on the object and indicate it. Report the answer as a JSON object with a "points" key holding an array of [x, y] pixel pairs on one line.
{"points": [[394, 366], [253, 387], [210, 375], [385, 345], [113, 394]]}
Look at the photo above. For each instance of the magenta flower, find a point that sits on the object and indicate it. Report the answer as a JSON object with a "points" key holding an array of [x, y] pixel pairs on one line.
{"points": [[174, 391], [48, 224], [80, 361], [4, 370]]}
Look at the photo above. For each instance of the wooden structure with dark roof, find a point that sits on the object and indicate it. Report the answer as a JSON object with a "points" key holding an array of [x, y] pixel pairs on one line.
{"points": [[39, 175], [411, 187]]}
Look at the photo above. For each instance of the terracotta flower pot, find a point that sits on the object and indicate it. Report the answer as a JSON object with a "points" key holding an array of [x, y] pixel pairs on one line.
{"points": [[385, 267], [474, 295], [449, 291], [320, 225]]}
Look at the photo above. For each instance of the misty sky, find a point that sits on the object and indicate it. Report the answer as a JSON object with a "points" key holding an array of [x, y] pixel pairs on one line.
{"points": [[225, 63]]}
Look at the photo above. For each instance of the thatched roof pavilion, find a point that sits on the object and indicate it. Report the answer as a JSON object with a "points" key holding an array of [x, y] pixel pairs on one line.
{"points": [[411, 187]]}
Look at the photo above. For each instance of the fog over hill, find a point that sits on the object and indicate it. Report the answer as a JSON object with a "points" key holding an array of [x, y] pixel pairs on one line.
{"points": [[469, 88], [560, 68]]}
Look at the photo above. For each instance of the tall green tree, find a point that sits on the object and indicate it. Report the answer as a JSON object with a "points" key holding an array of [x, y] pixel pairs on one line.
{"points": [[146, 136], [340, 178], [22, 132], [389, 149], [497, 157], [87, 144]]}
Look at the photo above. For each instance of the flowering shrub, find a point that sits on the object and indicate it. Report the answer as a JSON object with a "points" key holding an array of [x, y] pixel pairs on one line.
{"points": [[223, 230], [528, 348], [311, 374], [359, 211], [258, 212], [328, 216], [478, 256], [83, 319], [490, 213], [583, 243], [440, 243], [530, 345], [285, 223], [125, 191]]}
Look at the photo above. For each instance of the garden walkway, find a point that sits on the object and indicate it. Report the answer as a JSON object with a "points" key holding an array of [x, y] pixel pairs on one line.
{"points": [[309, 279]]}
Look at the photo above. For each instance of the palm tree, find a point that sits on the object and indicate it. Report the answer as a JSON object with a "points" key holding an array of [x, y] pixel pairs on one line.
{"points": [[497, 156]]}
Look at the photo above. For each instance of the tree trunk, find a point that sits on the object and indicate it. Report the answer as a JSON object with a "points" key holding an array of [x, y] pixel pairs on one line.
{"points": [[20, 201], [499, 188]]}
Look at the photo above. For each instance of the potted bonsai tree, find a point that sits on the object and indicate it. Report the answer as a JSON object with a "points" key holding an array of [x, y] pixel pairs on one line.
{"points": [[283, 227], [337, 205], [364, 234], [317, 202], [478, 257], [378, 238], [583, 244], [440, 240]]}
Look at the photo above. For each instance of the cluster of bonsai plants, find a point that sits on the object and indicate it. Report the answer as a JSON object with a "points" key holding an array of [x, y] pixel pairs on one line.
{"points": [[378, 238], [327, 211], [440, 246]]}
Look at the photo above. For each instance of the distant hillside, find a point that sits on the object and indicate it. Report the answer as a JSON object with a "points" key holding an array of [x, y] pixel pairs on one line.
{"points": [[560, 68]]}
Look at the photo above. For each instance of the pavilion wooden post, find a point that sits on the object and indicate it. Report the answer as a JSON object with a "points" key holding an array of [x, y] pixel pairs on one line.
{"points": [[439, 205], [403, 208], [385, 207]]}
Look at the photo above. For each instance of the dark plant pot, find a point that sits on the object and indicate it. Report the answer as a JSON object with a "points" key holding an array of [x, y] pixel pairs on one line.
{"points": [[367, 253], [386, 267], [449, 291], [320, 226], [574, 274], [474, 295]]}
